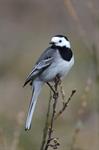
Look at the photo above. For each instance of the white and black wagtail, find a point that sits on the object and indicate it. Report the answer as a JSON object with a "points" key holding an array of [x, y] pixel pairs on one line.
{"points": [[55, 60]]}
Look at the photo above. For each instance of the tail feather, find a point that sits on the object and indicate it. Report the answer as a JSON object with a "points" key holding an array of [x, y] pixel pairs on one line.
{"points": [[36, 88]]}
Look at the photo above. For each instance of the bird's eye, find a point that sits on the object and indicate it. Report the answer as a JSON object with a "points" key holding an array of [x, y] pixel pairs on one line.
{"points": [[60, 41]]}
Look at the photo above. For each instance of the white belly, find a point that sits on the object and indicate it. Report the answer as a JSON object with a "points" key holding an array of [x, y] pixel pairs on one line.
{"points": [[60, 67]]}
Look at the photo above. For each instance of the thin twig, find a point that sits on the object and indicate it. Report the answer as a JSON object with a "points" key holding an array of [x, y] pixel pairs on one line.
{"points": [[65, 105], [45, 131], [48, 139], [51, 87], [62, 92], [55, 97]]}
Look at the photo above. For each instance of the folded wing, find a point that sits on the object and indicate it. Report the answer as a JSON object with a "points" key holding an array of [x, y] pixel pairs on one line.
{"points": [[38, 68]]}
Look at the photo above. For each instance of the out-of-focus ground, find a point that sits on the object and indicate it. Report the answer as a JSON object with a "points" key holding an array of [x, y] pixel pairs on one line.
{"points": [[26, 27]]}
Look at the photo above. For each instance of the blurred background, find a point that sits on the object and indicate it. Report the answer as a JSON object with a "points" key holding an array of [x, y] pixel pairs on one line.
{"points": [[26, 27]]}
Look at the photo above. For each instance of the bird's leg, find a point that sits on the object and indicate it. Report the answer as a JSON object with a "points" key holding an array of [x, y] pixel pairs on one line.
{"points": [[59, 82], [56, 83], [51, 87], [57, 79], [62, 92]]}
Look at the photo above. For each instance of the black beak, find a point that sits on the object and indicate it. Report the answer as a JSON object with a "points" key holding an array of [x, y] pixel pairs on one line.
{"points": [[52, 43]]}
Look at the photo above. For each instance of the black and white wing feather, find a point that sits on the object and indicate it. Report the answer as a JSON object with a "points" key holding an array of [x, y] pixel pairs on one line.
{"points": [[43, 62]]}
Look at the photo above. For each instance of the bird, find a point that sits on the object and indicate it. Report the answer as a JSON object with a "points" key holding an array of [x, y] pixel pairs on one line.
{"points": [[56, 60]]}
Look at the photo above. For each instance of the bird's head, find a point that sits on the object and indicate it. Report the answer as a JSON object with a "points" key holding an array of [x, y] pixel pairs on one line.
{"points": [[60, 40]]}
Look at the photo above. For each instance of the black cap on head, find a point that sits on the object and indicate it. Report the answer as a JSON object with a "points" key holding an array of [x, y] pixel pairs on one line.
{"points": [[62, 36]]}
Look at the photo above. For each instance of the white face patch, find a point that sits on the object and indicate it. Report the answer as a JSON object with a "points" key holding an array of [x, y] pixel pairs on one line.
{"points": [[61, 41]]}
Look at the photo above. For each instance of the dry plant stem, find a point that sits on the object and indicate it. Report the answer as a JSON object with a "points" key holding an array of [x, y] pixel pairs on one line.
{"points": [[75, 136], [55, 97], [51, 87], [65, 105], [62, 92], [95, 61], [45, 131], [48, 129]]}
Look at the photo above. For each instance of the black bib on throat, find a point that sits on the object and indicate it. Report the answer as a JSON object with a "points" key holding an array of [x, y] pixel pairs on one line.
{"points": [[66, 53]]}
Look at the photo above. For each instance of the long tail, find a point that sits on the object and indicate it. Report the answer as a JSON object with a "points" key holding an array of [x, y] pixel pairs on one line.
{"points": [[36, 88]]}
